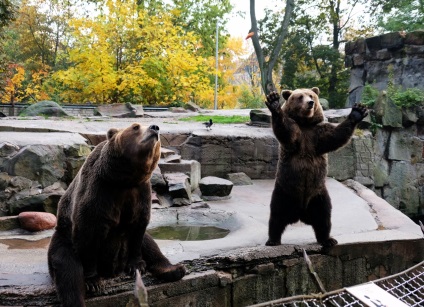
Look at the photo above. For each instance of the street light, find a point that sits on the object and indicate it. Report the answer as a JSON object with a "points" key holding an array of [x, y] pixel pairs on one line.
{"points": [[216, 68]]}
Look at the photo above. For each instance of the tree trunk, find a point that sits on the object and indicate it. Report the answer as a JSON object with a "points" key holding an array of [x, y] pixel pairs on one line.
{"points": [[266, 67], [335, 12]]}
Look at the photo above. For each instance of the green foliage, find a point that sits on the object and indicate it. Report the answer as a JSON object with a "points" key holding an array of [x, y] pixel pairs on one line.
{"points": [[250, 100], [218, 119], [410, 97], [369, 95], [7, 12], [200, 17], [403, 98], [401, 15]]}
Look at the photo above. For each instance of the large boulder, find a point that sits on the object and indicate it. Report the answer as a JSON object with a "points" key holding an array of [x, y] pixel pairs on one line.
{"points": [[386, 112], [260, 117], [9, 223], [179, 188], [37, 221], [239, 178], [44, 108], [214, 186], [42, 163], [120, 110]]}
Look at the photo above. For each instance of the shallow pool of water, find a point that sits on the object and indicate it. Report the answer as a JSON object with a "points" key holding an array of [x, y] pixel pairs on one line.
{"points": [[188, 233], [25, 244]]}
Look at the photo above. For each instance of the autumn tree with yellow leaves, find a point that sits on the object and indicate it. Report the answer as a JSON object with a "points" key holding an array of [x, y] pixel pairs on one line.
{"points": [[124, 55]]}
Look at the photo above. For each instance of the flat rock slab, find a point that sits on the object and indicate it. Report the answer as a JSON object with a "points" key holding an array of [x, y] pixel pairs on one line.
{"points": [[42, 138], [215, 186]]}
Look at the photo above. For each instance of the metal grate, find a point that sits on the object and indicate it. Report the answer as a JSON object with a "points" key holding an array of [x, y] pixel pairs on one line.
{"points": [[408, 286]]}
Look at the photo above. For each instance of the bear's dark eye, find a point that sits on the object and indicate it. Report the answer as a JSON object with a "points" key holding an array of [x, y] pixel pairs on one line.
{"points": [[136, 127]]}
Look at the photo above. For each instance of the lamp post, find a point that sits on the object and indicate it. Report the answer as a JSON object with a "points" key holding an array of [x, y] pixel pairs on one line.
{"points": [[216, 68]]}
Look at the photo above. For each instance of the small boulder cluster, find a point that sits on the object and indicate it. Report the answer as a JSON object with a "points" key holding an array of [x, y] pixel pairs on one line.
{"points": [[178, 182]]}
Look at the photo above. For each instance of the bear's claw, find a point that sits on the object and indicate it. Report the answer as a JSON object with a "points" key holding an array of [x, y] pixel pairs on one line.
{"points": [[93, 284], [132, 267]]}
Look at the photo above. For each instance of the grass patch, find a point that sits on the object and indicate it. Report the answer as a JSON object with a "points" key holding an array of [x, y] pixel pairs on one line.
{"points": [[217, 119]]}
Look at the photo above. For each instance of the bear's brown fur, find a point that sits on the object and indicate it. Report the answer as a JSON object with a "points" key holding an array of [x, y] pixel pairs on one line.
{"points": [[300, 192], [102, 217]]}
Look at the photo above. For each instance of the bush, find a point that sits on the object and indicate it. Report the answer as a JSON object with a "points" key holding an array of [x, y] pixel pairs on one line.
{"points": [[369, 95], [410, 97], [250, 100]]}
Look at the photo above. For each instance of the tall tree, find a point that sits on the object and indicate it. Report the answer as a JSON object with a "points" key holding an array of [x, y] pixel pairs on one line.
{"points": [[268, 55], [126, 55], [201, 17], [7, 14]]}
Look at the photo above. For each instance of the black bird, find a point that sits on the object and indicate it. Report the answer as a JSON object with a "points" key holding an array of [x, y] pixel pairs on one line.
{"points": [[208, 124]]}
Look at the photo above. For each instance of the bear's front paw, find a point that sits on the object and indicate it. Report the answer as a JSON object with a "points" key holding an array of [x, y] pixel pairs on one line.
{"points": [[358, 113], [133, 266], [93, 284], [329, 242], [273, 101], [170, 272], [272, 243]]}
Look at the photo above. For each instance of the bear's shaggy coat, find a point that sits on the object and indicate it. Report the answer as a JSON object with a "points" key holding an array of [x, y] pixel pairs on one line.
{"points": [[305, 139], [102, 217]]}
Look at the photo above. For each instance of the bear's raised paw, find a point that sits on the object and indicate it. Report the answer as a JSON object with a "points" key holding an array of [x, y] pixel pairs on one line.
{"points": [[273, 101], [358, 113]]}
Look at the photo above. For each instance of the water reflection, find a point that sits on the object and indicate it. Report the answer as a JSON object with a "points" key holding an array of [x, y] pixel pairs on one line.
{"points": [[188, 233]]}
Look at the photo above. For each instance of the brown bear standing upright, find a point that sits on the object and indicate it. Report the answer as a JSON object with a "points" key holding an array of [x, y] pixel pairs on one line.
{"points": [[300, 192], [102, 217]]}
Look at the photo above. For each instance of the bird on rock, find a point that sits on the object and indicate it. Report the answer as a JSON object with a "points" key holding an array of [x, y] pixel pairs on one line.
{"points": [[208, 124]]}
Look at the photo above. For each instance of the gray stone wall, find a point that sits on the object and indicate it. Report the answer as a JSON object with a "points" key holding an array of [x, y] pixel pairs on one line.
{"points": [[246, 276], [372, 60], [254, 155], [391, 163]]}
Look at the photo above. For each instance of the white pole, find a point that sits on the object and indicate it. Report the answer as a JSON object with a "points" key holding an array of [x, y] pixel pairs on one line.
{"points": [[216, 68]]}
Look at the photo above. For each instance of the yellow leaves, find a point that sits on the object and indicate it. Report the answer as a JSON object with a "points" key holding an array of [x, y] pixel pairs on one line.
{"points": [[125, 55], [12, 92]]}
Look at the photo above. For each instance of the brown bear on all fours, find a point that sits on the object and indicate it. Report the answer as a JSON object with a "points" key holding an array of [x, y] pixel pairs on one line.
{"points": [[102, 217], [305, 139]]}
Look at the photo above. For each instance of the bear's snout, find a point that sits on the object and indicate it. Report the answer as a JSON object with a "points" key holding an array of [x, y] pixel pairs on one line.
{"points": [[154, 128], [310, 104]]}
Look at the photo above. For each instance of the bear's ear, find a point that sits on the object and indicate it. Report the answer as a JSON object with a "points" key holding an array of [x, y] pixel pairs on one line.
{"points": [[286, 94], [315, 90], [111, 133]]}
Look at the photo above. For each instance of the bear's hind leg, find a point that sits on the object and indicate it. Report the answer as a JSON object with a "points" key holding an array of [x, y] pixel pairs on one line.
{"points": [[66, 271], [319, 216], [279, 217], [158, 264], [276, 227]]}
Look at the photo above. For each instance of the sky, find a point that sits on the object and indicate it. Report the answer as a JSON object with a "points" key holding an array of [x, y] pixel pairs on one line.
{"points": [[239, 26]]}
